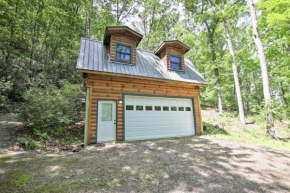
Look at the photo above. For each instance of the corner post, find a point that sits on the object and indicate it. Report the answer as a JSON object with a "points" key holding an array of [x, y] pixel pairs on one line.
{"points": [[87, 116], [201, 126]]}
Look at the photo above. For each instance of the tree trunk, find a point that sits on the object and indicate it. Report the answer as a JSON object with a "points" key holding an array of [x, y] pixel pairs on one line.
{"points": [[264, 68], [151, 25], [245, 87], [216, 70], [219, 93], [218, 84], [90, 19], [235, 69]]}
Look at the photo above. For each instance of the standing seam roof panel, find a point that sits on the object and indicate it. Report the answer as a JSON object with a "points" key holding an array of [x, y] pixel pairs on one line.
{"points": [[94, 56]]}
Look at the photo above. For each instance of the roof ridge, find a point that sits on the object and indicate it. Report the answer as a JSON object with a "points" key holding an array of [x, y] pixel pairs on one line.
{"points": [[92, 40], [97, 59], [151, 52], [103, 42]]}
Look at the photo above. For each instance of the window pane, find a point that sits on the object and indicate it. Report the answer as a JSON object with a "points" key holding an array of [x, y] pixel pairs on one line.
{"points": [[123, 49], [174, 59], [165, 108], [173, 108], [148, 108], [181, 108], [130, 107], [187, 108], [139, 108], [157, 108], [125, 57], [174, 66], [107, 109]]}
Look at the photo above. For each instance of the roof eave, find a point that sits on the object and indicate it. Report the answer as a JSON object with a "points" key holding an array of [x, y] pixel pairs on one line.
{"points": [[161, 47], [141, 77], [122, 27]]}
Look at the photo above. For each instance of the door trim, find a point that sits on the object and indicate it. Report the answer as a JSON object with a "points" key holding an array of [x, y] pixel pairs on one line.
{"points": [[161, 96], [97, 122]]}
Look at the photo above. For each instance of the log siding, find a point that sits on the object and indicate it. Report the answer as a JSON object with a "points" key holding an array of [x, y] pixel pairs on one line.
{"points": [[113, 87]]}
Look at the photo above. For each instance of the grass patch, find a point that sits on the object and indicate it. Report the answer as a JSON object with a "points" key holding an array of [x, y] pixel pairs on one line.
{"points": [[15, 180], [230, 128], [73, 161], [4, 157], [50, 188], [260, 140]]}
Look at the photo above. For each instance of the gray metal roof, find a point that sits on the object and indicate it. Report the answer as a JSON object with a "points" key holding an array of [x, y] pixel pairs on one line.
{"points": [[94, 56]]}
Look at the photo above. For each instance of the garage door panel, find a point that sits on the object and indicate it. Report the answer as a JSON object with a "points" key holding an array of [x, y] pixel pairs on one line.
{"points": [[149, 123]]}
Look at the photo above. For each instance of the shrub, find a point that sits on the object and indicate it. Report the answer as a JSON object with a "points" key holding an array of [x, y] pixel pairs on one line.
{"points": [[53, 109], [279, 109], [28, 143]]}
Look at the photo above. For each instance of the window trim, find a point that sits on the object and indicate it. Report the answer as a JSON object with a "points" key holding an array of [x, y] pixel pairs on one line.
{"points": [[165, 110], [129, 109], [139, 106], [158, 110], [148, 106], [175, 107], [180, 64], [181, 107], [131, 54]]}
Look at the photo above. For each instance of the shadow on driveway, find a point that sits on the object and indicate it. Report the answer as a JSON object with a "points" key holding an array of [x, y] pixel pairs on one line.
{"points": [[189, 164]]}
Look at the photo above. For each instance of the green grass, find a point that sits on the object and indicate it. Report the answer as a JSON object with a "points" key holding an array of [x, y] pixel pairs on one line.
{"points": [[225, 128], [260, 140], [15, 180], [4, 157], [49, 188]]}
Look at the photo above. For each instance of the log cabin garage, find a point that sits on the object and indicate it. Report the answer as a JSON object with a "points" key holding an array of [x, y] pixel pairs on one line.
{"points": [[134, 94]]}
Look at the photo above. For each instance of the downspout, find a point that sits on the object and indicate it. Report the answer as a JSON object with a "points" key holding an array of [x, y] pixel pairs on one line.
{"points": [[87, 116]]}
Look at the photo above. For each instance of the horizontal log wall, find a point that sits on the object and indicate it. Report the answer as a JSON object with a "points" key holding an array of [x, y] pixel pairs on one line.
{"points": [[109, 87]]}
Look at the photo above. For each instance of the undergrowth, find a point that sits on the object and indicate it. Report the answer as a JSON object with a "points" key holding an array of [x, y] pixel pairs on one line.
{"points": [[228, 126]]}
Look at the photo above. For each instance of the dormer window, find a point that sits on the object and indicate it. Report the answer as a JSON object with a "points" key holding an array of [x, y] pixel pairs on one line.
{"points": [[175, 62], [172, 52], [122, 43], [123, 52]]}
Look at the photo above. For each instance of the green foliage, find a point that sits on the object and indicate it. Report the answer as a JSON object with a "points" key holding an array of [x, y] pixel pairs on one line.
{"points": [[52, 110], [29, 143]]}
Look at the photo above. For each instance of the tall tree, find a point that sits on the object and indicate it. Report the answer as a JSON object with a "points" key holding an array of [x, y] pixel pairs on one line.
{"points": [[208, 17], [264, 68], [90, 19], [232, 52], [122, 10]]}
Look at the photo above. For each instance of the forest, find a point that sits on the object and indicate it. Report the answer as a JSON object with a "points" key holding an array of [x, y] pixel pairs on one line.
{"points": [[241, 47]]}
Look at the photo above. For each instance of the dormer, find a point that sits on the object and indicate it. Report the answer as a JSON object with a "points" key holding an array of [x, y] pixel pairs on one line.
{"points": [[122, 42], [172, 54]]}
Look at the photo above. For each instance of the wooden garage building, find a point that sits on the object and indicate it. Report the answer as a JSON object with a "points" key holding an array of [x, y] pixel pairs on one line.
{"points": [[134, 94]]}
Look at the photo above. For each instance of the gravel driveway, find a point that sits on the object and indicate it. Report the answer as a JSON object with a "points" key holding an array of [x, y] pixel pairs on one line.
{"points": [[190, 164]]}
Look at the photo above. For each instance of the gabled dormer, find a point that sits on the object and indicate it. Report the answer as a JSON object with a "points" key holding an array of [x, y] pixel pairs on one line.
{"points": [[172, 54], [122, 42]]}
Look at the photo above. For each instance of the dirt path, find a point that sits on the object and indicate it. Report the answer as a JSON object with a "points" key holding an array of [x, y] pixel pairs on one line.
{"points": [[191, 164]]}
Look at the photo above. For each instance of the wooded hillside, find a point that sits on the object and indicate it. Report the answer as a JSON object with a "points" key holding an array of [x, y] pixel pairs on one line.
{"points": [[39, 43]]}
